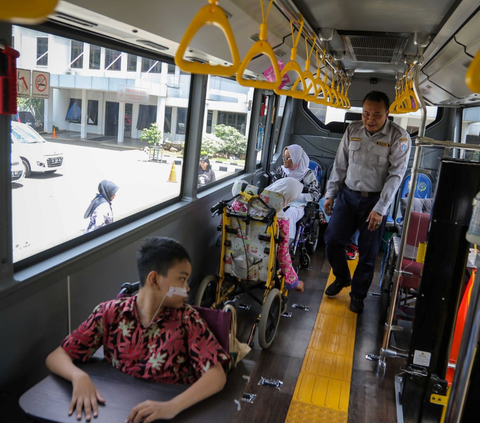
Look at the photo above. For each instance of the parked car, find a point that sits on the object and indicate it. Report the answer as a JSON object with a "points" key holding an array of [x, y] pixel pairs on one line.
{"points": [[25, 117], [17, 167], [37, 155]]}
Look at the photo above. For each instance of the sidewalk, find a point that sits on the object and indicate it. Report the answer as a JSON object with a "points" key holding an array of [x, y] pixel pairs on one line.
{"points": [[110, 142], [95, 140]]}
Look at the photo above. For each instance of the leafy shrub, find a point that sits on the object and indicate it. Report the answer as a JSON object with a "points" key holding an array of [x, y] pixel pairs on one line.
{"points": [[152, 135], [233, 142]]}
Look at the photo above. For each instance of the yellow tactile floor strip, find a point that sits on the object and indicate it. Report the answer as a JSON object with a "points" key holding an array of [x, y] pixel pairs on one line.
{"points": [[322, 392]]}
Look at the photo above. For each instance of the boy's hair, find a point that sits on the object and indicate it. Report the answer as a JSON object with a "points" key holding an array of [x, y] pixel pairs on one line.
{"points": [[378, 96], [159, 254]]}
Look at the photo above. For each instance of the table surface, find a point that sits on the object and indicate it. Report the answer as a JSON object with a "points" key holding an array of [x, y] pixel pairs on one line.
{"points": [[49, 399]]}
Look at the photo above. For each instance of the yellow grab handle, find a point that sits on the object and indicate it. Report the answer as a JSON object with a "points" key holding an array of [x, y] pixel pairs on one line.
{"points": [[260, 47], [293, 66], [29, 11], [472, 77], [208, 15], [308, 76]]}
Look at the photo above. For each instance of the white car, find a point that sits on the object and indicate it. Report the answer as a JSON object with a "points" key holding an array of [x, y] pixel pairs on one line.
{"points": [[17, 167], [37, 155]]}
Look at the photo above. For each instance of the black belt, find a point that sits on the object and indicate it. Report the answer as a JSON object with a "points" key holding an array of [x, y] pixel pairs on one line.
{"points": [[364, 193]]}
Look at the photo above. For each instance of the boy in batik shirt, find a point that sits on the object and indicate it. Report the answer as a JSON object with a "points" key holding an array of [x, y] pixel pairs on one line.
{"points": [[153, 335]]}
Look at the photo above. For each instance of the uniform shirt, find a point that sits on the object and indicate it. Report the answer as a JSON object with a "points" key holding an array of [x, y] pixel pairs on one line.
{"points": [[371, 162], [177, 348]]}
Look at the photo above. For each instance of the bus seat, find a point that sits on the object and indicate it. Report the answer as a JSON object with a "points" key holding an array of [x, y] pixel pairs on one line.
{"points": [[316, 169], [417, 233], [423, 190]]}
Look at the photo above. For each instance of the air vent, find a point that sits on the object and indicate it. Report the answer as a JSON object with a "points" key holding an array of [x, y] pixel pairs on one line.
{"points": [[375, 48], [152, 44], [65, 17]]}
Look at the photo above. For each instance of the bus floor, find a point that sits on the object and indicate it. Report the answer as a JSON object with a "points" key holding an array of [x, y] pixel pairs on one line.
{"points": [[372, 397]]}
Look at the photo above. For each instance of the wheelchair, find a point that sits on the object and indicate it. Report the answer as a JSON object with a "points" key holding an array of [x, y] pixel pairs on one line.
{"points": [[308, 227], [249, 241], [307, 235]]}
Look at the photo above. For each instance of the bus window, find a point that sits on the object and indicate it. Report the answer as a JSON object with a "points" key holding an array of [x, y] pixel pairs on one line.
{"points": [[471, 132], [281, 100], [113, 120], [226, 124], [334, 119]]}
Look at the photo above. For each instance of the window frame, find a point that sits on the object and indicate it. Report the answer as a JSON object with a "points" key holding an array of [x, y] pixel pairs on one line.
{"points": [[44, 56], [79, 57]]}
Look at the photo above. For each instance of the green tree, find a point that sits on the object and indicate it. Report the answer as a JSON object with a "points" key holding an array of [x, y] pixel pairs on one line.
{"points": [[33, 105], [235, 143], [152, 135], [212, 145]]}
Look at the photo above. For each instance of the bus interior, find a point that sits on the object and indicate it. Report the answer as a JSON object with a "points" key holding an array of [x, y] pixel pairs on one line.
{"points": [[138, 93]]}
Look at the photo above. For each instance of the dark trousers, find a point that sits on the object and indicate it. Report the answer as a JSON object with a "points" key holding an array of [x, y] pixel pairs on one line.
{"points": [[350, 213]]}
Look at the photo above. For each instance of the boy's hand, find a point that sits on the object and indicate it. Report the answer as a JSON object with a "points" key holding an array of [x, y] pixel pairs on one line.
{"points": [[149, 411], [84, 397]]}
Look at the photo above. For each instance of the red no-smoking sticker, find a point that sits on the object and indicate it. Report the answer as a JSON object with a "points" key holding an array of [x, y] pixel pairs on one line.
{"points": [[41, 83]]}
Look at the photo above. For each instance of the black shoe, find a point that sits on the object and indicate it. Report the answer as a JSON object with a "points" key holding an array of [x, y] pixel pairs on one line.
{"points": [[336, 287], [356, 304]]}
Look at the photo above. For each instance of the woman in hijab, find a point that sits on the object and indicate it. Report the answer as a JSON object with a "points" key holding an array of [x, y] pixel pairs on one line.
{"points": [[290, 189], [100, 209], [205, 172], [295, 165]]}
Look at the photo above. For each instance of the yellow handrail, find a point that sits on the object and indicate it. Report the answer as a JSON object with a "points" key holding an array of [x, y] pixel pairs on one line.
{"points": [[405, 98], [472, 77], [260, 47], [318, 81], [292, 65], [208, 15], [308, 76]]}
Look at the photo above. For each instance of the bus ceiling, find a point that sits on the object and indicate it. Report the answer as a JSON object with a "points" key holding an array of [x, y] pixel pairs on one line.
{"points": [[368, 37]]}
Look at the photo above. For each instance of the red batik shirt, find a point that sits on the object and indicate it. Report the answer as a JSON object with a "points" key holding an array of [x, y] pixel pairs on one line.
{"points": [[177, 348]]}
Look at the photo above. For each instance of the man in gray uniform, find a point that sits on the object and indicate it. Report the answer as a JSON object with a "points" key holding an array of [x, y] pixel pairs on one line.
{"points": [[369, 167]]}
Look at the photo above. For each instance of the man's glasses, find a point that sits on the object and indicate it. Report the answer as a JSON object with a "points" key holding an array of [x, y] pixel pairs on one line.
{"points": [[286, 159]]}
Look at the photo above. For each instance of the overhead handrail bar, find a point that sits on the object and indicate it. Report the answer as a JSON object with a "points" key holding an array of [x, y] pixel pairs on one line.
{"points": [[214, 15], [429, 142], [293, 14], [292, 65], [262, 46]]}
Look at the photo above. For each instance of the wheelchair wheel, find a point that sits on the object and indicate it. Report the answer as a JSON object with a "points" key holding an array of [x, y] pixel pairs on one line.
{"points": [[207, 292], [314, 236], [305, 261], [270, 318]]}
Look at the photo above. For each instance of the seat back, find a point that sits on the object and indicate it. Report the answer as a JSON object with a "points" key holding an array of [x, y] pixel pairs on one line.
{"points": [[418, 228], [317, 170], [423, 188]]}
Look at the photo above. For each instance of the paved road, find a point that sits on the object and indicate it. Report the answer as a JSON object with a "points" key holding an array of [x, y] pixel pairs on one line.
{"points": [[49, 209]]}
